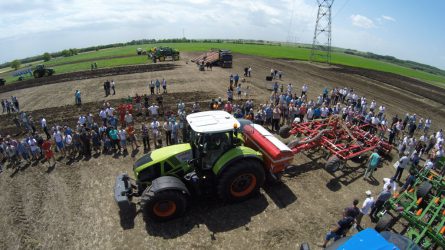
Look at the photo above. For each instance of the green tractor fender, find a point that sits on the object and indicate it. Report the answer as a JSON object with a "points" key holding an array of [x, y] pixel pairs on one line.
{"points": [[236, 154]]}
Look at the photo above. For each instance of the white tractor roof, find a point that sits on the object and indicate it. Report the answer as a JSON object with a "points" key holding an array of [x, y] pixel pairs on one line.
{"points": [[212, 121]]}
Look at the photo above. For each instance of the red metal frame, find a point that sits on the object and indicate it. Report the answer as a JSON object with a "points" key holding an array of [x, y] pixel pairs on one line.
{"points": [[345, 140]]}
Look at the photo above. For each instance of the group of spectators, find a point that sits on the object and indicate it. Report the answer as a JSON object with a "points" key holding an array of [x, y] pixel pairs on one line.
{"points": [[10, 106], [157, 84]]}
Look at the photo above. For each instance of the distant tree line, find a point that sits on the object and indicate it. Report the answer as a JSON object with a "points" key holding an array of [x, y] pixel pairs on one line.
{"points": [[73, 51], [404, 63]]}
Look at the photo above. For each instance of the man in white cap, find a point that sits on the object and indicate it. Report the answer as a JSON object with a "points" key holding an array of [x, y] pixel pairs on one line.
{"points": [[366, 207]]}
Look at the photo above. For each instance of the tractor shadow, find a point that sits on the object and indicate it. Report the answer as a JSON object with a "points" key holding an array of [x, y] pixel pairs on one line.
{"points": [[127, 217], [211, 213]]}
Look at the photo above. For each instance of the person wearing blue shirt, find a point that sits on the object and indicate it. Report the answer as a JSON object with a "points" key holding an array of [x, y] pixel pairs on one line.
{"points": [[317, 113]]}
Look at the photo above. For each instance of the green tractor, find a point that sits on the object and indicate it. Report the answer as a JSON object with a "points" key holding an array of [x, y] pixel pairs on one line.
{"points": [[162, 53], [216, 161], [41, 71], [2, 81]]}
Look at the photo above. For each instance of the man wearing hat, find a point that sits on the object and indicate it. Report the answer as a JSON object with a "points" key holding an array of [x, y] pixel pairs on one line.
{"points": [[366, 207]]}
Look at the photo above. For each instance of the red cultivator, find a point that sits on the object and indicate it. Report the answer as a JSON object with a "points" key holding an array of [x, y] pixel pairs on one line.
{"points": [[343, 141]]}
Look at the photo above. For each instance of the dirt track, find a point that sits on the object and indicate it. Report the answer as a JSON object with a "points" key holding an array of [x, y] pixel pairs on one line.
{"points": [[72, 205]]}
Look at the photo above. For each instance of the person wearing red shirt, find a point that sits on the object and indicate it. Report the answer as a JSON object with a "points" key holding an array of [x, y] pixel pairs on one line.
{"points": [[49, 154]]}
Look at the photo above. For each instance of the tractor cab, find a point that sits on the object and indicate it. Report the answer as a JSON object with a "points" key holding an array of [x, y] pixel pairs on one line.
{"points": [[213, 134]]}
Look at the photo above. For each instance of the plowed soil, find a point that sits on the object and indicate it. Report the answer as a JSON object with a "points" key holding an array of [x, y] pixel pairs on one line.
{"points": [[71, 206]]}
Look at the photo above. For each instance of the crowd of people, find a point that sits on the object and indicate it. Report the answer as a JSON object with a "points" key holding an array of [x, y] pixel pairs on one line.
{"points": [[113, 130], [10, 106]]}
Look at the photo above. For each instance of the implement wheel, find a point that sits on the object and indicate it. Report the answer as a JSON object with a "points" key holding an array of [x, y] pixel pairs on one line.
{"points": [[241, 180], [284, 131], [333, 164], [164, 205], [384, 223]]}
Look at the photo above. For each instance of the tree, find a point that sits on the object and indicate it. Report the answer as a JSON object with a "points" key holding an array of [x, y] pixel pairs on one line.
{"points": [[46, 57], [15, 64], [66, 53]]}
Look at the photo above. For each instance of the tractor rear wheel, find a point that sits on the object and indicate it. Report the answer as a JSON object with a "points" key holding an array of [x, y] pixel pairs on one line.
{"points": [[333, 164], [284, 131], [424, 189], [241, 180], [164, 205], [384, 223]]}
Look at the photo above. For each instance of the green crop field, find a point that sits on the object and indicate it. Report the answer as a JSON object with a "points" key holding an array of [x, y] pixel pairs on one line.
{"points": [[127, 55]]}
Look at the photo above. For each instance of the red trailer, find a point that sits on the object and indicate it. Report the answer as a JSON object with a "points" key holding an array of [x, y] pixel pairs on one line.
{"points": [[276, 155]]}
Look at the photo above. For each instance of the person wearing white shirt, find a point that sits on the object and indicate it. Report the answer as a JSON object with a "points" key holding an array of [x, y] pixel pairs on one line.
{"points": [[304, 90], [103, 116], [366, 207], [110, 111], [45, 128], [153, 110], [428, 164], [390, 181], [82, 120], [324, 112], [155, 130]]}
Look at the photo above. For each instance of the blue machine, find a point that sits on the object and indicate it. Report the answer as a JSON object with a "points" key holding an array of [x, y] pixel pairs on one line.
{"points": [[369, 239]]}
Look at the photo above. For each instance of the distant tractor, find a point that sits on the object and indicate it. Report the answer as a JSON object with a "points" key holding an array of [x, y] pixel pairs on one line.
{"points": [[2, 81], [140, 51], [224, 157], [162, 53], [41, 71]]}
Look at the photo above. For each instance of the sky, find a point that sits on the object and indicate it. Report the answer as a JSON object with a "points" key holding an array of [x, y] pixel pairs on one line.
{"points": [[406, 29]]}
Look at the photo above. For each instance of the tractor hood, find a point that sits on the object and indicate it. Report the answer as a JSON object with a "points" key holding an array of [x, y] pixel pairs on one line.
{"points": [[160, 155]]}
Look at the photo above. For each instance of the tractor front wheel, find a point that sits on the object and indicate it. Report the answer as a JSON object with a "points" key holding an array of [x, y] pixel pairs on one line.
{"points": [[241, 180], [164, 205]]}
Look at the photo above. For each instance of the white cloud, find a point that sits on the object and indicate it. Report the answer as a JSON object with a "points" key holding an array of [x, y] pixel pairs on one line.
{"points": [[362, 21], [389, 18], [53, 23]]}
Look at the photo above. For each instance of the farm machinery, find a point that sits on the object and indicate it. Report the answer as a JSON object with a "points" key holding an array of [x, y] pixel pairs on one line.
{"points": [[140, 51], [222, 58], [423, 207], [162, 53], [2, 81], [41, 71], [221, 158], [343, 140]]}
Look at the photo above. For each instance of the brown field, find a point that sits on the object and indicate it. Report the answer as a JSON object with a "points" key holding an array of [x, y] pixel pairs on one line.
{"points": [[72, 205]]}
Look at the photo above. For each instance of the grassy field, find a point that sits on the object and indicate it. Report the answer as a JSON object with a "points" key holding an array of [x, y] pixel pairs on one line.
{"points": [[127, 56]]}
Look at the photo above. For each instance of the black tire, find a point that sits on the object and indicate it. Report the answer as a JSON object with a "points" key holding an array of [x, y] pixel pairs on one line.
{"points": [[164, 205], [384, 223], [241, 180], [333, 164], [284, 131], [423, 189]]}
